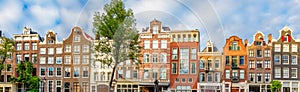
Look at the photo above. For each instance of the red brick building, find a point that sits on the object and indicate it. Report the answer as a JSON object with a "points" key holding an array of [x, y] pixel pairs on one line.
{"points": [[183, 60]]}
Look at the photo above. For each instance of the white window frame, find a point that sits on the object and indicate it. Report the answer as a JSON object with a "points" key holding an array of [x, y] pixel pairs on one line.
{"points": [[277, 72], [294, 48], [34, 46], [295, 58], [42, 60], [277, 47], [227, 74], [285, 73], [146, 44], [146, 57], [42, 50], [296, 72], [26, 46], [288, 61], [77, 49], [267, 53], [19, 46], [267, 64], [242, 74], [68, 48], [76, 59], [163, 57], [163, 44], [279, 59], [76, 38], [285, 48], [67, 59], [49, 72], [61, 70], [85, 48], [44, 72], [50, 60], [58, 58], [58, 51]]}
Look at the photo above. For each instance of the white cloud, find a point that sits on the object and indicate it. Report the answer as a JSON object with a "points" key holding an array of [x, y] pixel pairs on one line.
{"points": [[44, 16]]}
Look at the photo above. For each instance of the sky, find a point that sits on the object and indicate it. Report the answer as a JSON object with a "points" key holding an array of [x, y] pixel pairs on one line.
{"points": [[216, 19]]}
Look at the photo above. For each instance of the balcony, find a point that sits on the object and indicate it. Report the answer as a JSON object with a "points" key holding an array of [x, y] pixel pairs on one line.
{"points": [[235, 79], [234, 66]]}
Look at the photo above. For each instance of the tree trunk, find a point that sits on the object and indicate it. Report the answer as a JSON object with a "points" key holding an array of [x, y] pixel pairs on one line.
{"points": [[115, 66]]}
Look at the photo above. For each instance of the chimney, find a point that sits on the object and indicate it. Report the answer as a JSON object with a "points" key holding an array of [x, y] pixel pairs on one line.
{"points": [[269, 38], [246, 42]]}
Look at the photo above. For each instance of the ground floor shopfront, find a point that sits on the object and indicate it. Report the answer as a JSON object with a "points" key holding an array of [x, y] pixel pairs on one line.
{"points": [[234, 87], [209, 87], [290, 85], [150, 87], [7, 87], [259, 87]]}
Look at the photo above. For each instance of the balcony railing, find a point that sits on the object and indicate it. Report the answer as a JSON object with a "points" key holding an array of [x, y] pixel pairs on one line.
{"points": [[235, 79]]}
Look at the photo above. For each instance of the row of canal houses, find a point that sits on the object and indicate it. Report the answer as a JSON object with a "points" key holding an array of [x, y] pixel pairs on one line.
{"points": [[172, 58]]}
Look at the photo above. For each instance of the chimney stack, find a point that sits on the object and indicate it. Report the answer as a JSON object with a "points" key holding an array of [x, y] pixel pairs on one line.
{"points": [[269, 38]]}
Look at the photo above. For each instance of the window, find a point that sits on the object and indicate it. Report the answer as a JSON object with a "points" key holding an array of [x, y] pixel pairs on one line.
{"points": [[174, 38], [50, 71], [176, 80], [146, 58], [85, 59], [50, 41], [34, 58], [155, 29], [67, 59], [277, 72], [217, 77], [76, 38], [26, 46], [184, 61], [85, 71], [155, 44], [285, 72], [76, 59], [190, 80], [242, 60], [68, 48], [209, 64], [209, 77], [96, 76], [76, 48], [76, 87], [195, 37], [251, 77], [179, 38], [267, 64], [259, 77], [19, 46], [285, 59], [85, 48], [146, 74], [294, 48], [294, 59], [128, 74], [163, 44], [285, 48], [294, 72], [58, 60], [194, 54], [9, 68], [163, 57], [163, 73], [19, 58], [193, 70], [258, 43], [50, 60], [50, 86], [42, 71], [217, 63], [85, 87], [277, 47], [202, 64], [58, 50], [146, 44], [234, 73], [227, 60], [135, 74], [174, 68], [234, 46], [259, 64], [93, 89], [242, 74], [189, 38], [251, 65], [34, 46], [58, 86], [184, 38], [76, 71], [50, 50], [174, 54], [67, 87], [58, 71], [42, 50], [234, 61], [154, 73], [267, 77], [154, 58], [202, 77], [67, 72], [276, 59], [42, 60], [258, 53], [267, 53], [227, 74]]}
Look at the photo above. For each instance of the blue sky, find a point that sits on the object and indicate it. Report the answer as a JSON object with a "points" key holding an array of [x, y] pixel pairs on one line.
{"points": [[216, 19]]}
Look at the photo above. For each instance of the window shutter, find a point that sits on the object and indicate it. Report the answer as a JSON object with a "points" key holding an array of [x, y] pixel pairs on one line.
{"points": [[229, 47], [282, 38], [289, 38]]}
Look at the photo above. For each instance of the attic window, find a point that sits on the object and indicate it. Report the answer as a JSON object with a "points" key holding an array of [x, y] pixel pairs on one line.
{"points": [[286, 38], [209, 49], [155, 29]]}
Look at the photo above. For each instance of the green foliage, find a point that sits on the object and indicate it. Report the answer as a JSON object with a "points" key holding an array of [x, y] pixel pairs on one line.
{"points": [[24, 70], [275, 86], [6, 48], [118, 38]]}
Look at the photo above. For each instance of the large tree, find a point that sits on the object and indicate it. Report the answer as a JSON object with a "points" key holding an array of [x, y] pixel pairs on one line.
{"points": [[25, 70], [118, 38], [6, 48]]}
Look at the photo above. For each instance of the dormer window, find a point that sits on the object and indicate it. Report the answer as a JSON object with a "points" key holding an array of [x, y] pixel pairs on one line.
{"points": [[26, 32], [76, 38], [234, 46], [209, 49], [286, 38], [155, 29], [258, 43], [50, 41]]}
